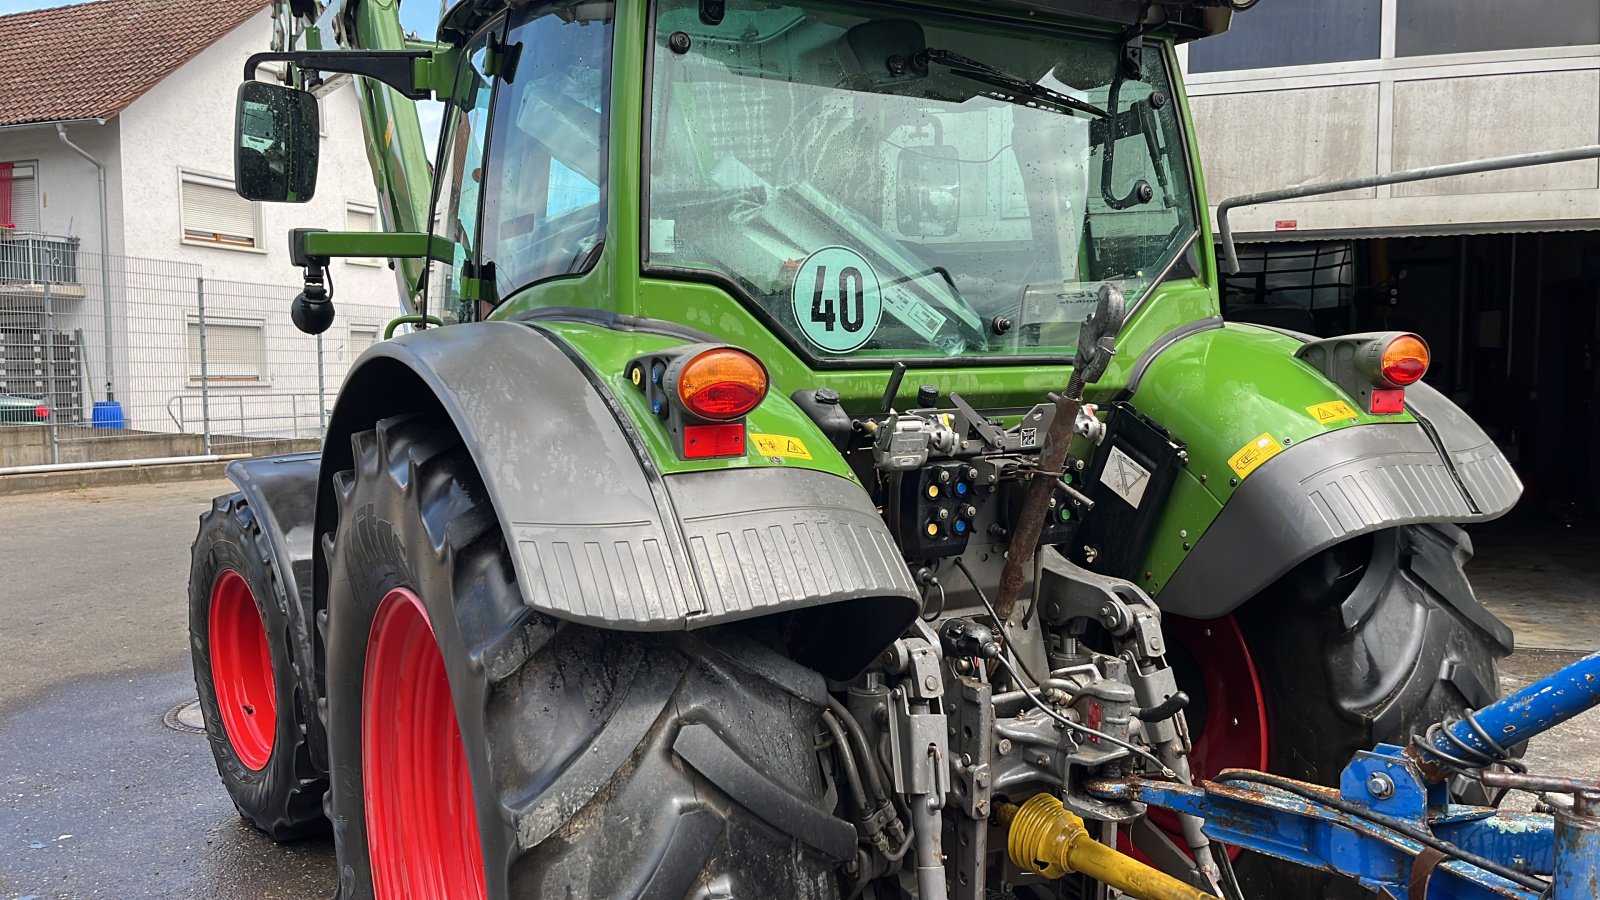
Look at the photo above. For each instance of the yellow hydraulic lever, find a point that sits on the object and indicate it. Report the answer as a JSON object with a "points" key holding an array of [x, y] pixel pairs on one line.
{"points": [[1046, 839]]}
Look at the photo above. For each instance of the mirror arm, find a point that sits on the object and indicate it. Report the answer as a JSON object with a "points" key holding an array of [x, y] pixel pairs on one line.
{"points": [[396, 68]]}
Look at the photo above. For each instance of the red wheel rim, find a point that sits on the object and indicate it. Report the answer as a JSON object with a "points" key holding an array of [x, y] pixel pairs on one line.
{"points": [[422, 825], [241, 671], [1227, 714]]}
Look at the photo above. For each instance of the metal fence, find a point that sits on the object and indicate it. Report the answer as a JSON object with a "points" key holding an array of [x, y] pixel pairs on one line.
{"points": [[122, 358]]}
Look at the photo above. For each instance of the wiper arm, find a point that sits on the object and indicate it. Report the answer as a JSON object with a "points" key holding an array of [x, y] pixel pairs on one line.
{"points": [[1020, 89]]}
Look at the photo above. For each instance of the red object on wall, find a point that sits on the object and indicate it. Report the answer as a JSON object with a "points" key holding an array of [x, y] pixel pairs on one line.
{"points": [[5, 195]]}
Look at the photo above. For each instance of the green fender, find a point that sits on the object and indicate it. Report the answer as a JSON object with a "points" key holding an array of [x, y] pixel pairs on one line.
{"points": [[607, 529], [1282, 465]]}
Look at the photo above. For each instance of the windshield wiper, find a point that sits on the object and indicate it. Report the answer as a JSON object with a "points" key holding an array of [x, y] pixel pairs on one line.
{"points": [[1020, 89]]}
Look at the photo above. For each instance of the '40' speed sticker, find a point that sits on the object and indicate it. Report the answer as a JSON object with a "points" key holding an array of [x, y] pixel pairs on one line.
{"points": [[837, 300]]}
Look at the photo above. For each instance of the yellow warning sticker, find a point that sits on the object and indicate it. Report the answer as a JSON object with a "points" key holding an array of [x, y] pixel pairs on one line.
{"points": [[1252, 455], [780, 445], [1332, 411]]}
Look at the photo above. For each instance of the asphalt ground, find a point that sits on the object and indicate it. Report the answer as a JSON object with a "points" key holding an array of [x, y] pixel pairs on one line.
{"points": [[99, 798]]}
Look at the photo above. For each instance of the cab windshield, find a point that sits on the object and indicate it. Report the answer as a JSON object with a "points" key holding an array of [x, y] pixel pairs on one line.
{"points": [[881, 182]]}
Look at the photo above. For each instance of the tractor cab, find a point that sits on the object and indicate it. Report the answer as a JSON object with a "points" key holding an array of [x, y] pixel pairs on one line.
{"points": [[861, 183]]}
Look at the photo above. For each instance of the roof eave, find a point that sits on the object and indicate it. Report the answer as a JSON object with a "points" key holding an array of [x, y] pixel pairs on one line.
{"points": [[51, 123]]}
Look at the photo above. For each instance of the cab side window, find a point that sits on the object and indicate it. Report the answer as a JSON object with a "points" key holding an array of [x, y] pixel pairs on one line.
{"points": [[544, 198], [461, 176]]}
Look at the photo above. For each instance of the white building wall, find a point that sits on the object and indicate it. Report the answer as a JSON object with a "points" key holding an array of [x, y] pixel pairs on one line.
{"points": [[1262, 129], [186, 123], [69, 193]]}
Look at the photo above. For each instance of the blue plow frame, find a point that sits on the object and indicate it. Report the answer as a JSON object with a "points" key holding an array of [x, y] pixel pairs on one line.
{"points": [[1390, 818]]}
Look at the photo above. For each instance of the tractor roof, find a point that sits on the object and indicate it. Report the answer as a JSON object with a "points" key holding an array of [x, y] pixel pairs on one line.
{"points": [[92, 60], [1187, 19]]}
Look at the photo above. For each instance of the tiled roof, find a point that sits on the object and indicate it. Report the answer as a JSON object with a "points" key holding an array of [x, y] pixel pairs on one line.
{"points": [[92, 60]]}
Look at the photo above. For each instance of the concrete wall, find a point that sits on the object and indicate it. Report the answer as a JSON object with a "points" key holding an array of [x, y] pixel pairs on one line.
{"points": [[1269, 128]]}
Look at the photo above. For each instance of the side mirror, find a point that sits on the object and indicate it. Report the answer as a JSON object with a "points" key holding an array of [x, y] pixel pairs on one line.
{"points": [[928, 195], [275, 132]]}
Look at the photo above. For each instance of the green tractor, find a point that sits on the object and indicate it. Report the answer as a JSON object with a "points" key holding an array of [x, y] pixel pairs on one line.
{"points": [[815, 439]]}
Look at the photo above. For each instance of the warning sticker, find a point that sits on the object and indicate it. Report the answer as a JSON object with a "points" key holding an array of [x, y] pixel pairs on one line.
{"points": [[780, 445], [1252, 455], [1332, 411], [1126, 478], [918, 316], [836, 299]]}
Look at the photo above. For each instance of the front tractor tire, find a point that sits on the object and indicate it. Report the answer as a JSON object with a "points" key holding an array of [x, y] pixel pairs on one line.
{"points": [[481, 749], [245, 673], [1358, 646]]}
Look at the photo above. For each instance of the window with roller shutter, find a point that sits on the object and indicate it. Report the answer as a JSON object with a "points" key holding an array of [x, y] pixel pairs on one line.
{"points": [[361, 337], [235, 352], [213, 214], [19, 196], [358, 217]]}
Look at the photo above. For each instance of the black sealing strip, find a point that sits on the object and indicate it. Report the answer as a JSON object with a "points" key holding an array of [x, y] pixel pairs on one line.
{"points": [[1161, 345], [616, 322], [1444, 454], [711, 756]]}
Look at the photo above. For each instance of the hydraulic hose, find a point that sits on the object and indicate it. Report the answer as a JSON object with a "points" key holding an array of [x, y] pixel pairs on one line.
{"points": [[1044, 838]]}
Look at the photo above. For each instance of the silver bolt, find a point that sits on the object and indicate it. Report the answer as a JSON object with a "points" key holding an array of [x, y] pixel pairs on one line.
{"points": [[1380, 786], [1183, 532], [1003, 746], [1042, 759], [931, 683], [1090, 554]]}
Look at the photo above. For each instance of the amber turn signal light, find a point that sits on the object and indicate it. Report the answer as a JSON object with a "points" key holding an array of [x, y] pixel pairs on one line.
{"points": [[722, 384], [1405, 360]]}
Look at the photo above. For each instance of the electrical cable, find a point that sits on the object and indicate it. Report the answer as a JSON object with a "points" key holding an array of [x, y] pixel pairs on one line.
{"points": [[859, 740], [847, 761], [989, 607], [1472, 759], [1405, 829], [1034, 698], [1084, 729]]}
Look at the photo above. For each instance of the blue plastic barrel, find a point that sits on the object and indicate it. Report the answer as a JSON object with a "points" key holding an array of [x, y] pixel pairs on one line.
{"points": [[107, 414]]}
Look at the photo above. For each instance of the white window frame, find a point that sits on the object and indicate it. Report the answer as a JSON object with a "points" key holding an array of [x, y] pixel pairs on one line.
{"points": [[262, 379], [377, 226], [207, 179], [349, 337]]}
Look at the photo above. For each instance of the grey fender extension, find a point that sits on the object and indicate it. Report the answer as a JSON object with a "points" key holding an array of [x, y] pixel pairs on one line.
{"points": [[1335, 487], [599, 536]]}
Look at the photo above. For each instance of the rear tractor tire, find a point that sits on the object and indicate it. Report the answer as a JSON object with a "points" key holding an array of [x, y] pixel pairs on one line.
{"points": [[245, 673], [481, 749], [1357, 646]]}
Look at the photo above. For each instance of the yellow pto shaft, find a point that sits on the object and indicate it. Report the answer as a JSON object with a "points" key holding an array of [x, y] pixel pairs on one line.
{"points": [[1046, 839]]}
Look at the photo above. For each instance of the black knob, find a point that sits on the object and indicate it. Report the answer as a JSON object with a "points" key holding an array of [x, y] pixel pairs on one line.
{"points": [[312, 310], [826, 396], [927, 396]]}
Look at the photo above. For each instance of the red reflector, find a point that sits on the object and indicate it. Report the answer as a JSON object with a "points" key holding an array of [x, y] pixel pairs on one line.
{"points": [[1386, 403], [42, 411], [706, 441]]}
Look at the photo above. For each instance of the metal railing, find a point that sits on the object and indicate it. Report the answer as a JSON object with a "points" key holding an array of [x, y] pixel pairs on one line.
{"points": [[152, 359], [31, 258], [263, 415]]}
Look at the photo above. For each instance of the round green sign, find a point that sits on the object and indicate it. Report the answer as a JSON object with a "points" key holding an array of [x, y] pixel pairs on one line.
{"points": [[837, 300]]}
